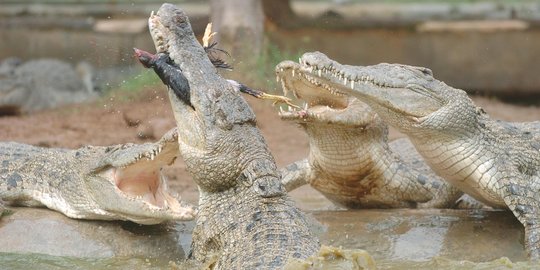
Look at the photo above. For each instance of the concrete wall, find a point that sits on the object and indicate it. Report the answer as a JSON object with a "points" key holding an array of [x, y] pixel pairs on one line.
{"points": [[499, 62], [493, 49]]}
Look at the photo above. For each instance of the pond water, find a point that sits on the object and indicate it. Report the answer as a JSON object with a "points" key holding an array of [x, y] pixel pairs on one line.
{"points": [[394, 239]]}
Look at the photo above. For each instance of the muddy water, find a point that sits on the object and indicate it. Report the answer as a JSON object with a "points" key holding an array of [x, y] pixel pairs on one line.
{"points": [[392, 239]]}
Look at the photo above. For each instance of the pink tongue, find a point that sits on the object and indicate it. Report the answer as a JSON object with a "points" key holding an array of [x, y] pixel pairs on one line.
{"points": [[135, 184]]}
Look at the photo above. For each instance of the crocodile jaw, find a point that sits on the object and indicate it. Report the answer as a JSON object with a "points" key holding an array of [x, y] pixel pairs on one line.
{"points": [[323, 104], [393, 89], [129, 183]]}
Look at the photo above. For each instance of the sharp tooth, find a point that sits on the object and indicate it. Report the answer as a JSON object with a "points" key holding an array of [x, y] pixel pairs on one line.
{"points": [[289, 108], [293, 72], [352, 84], [345, 81], [320, 72], [152, 13], [281, 110], [305, 106], [299, 60], [277, 78]]}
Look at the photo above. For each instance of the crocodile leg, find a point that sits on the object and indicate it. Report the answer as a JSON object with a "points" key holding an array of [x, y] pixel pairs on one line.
{"points": [[523, 202], [295, 174]]}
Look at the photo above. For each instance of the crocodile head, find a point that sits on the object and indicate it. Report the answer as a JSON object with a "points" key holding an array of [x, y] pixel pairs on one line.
{"points": [[407, 97], [127, 182], [218, 138], [322, 104]]}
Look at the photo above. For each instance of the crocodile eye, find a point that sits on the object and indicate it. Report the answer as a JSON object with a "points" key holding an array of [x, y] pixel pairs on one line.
{"points": [[427, 71]]}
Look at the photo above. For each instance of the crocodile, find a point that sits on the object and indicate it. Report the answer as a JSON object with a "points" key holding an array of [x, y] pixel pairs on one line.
{"points": [[350, 160], [120, 182], [34, 85], [494, 161], [245, 216]]}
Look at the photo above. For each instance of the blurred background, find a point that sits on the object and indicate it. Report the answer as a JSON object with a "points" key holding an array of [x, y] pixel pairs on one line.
{"points": [[487, 47], [68, 75]]}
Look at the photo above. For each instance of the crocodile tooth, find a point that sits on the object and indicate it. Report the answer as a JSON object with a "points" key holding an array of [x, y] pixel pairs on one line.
{"points": [[320, 72], [284, 87], [295, 94], [281, 110], [277, 78], [305, 106], [289, 108], [345, 81], [293, 72], [352, 84], [152, 13], [299, 60]]}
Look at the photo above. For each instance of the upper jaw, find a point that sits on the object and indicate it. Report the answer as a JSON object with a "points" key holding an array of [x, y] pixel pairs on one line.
{"points": [[323, 104], [399, 88], [318, 98], [156, 29], [133, 173]]}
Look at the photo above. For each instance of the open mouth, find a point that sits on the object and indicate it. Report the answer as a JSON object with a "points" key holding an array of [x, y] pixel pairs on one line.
{"points": [[144, 181], [319, 98], [327, 88], [140, 178]]}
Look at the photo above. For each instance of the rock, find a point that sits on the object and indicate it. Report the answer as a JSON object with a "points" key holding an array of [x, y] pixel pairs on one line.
{"points": [[31, 230]]}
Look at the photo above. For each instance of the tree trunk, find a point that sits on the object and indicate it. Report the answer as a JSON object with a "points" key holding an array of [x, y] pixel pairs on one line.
{"points": [[239, 25], [279, 12]]}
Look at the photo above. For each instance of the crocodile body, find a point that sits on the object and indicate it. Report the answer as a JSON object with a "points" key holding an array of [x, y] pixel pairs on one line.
{"points": [[245, 217], [121, 182], [42, 84], [496, 162], [350, 160]]}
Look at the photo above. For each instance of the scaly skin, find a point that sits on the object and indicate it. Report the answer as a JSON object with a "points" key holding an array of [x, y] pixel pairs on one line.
{"points": [[245, 216], [495, 162], [121, 182], [44, 83], [350, 160]]}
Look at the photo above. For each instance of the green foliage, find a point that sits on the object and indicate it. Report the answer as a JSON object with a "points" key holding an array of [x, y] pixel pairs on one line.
{"points": [[146, 78], [132, 87], [6, 213], [262, 75]]}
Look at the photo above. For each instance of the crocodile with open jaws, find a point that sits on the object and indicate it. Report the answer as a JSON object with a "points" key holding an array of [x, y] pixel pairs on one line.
{"points": [[120, 182], [245, 216], [496, 162], [350, 160]]}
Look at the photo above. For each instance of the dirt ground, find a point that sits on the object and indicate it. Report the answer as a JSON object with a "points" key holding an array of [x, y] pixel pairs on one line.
{"points": [[147, 117]]}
